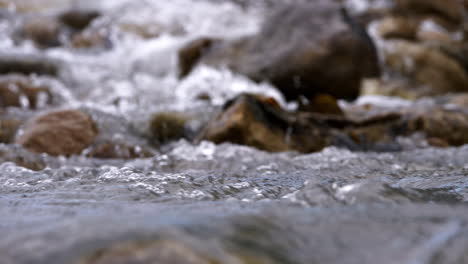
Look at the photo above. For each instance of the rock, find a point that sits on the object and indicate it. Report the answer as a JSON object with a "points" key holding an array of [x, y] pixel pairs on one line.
{"points": [[315, 49], [448, 127], [28, 64], [254, 121], [78, 19], [91, 39], [168, 126], [44, 32], [449, 9], [189, 55], [118, 150], [428, 69], [323, 104], [66, 132], [16, 91], [398, 27], [8, 128]]}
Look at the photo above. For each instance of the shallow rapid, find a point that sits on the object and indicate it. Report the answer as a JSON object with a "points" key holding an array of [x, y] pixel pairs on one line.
{"points": [[208, 203]]}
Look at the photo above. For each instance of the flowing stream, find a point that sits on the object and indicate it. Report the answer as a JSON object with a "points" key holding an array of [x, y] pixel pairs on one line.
{"points": [[207, 203]]}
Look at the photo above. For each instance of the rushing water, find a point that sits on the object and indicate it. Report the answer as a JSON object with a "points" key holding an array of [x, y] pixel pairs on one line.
{"points": [[211, 203]]}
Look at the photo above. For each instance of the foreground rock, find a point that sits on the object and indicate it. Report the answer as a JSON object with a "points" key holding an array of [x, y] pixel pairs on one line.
{"points": [[317, 48], [66, 132], [254, 121]]}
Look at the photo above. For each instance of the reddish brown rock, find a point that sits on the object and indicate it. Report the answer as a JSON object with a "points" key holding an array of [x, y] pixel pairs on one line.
{"points": [[66, 132], [17, 91]]}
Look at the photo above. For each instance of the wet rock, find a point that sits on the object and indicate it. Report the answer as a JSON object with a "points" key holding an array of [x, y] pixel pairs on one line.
{"points": [[313, 50], [44, 32], [118, 150], [8, 128], [28, 64], [190, 54], [254, 121], [323, 104], [428, 70], [450, 9], [91, 39], [78, 19], [66, 132], [448, 127], [168, 126], [17, 91], [398, 27]]}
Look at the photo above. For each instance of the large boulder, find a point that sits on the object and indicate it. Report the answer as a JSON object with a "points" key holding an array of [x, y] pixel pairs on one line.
{"points": [[303, 49], [66, 132]]}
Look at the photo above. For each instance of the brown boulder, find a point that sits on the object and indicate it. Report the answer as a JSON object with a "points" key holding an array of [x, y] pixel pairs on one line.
{"points": [[66, 132], [303, 49], [22, 92], [256, 121]]}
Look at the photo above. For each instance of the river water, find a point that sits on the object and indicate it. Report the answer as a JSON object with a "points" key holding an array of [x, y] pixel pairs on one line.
{"points": [[208, 203]]}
